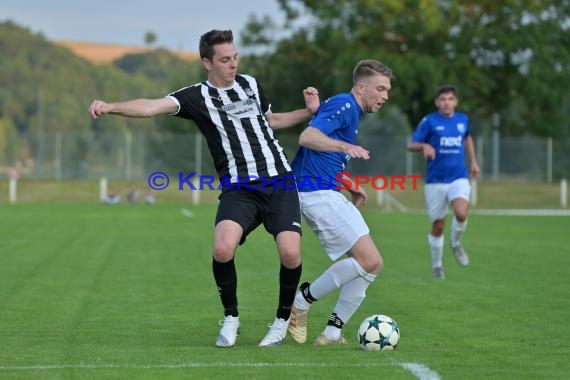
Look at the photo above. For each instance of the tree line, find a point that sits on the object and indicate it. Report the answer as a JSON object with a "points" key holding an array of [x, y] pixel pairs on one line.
{"points": [[509, 59]]}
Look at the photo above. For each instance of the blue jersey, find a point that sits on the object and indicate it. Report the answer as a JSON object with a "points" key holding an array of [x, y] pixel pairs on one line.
{"points": [[338, 118], [446, 134]]}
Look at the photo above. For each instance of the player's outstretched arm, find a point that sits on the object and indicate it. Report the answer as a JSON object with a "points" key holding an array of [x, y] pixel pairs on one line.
{"points": [[288, 119], [133, 108], [314, 139]]}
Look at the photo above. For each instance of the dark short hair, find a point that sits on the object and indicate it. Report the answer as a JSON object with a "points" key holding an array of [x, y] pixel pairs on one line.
{"points": [[212, 38], [369, 67], [445, 89]]}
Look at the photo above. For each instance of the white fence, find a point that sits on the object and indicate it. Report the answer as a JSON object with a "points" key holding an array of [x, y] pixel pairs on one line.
{"points": [[132, 156]]}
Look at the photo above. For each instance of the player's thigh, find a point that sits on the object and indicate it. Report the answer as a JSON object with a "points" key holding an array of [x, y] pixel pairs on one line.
{"points": [[241, 207], [281, 211], [460, 188], [436, 200], [335, 220], [281, 215], [459, 194]]}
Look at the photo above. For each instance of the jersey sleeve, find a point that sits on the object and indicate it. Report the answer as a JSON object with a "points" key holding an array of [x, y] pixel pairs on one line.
{"points": [[421, 133], [182, 98], [332, 115]]}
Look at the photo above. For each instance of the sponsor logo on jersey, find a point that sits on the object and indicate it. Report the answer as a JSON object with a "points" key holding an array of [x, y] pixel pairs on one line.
{"points": [[461, 127], [241, 109], [445, 141]]}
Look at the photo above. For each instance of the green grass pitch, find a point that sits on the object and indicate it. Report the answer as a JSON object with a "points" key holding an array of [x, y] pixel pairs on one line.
{"points": [[92, 291]]}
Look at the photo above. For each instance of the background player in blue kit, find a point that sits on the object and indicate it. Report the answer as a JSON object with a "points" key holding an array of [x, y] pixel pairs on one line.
{"points": [[443, 137], [326, 146]]}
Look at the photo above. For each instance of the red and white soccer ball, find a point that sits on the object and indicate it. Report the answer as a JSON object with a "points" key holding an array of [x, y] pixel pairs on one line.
{"points": [[378, 332]]}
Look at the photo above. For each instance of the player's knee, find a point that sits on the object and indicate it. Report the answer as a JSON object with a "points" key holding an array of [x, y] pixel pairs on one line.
{"points": [[372, 264], [437, 231], [223, 252], [438, 227], [461, 216], [290, 257], [377, 265]]}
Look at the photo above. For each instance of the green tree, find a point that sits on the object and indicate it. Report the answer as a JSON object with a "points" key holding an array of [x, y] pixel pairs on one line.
{"points": [[45, 90], [150, 38], [509, 57]]}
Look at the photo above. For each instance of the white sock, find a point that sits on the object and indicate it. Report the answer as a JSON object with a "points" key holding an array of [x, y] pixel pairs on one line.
{"points": [[436, 246], [332, 333], [351, 297], [336, 276], [301, 303], [457, 230]]}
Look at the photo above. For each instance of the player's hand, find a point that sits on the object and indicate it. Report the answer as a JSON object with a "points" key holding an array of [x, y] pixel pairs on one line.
{"points": [[312, 101], [98, 108], [359, 196], [475, 170], [356, 151], [429, 152]]}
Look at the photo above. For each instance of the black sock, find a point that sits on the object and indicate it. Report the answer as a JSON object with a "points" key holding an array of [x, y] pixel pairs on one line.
{"points": [[226, 280], [306, 293], [335, 321], [288, 282]]}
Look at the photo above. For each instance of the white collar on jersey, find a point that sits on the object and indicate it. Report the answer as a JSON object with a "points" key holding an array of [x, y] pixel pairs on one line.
{"points": [[221, 88]]}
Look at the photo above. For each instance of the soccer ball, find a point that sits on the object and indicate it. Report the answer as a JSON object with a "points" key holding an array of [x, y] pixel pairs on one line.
{"points": [[378, 332]]}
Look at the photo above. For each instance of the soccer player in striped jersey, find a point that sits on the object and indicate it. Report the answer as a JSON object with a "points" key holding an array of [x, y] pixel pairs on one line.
{"points": [[443, 137], [326, 146], [234, 115]]}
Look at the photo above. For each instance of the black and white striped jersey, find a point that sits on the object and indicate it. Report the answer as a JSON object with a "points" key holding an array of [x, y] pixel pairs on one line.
{"points": [[235, 127]]}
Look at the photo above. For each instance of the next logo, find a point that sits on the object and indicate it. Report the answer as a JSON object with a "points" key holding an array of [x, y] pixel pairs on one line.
{"points": [[451, 141]]}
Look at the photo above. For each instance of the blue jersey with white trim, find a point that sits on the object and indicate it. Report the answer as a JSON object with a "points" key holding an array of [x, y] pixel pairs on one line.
{"points": [[446, 134], [338, 118]]}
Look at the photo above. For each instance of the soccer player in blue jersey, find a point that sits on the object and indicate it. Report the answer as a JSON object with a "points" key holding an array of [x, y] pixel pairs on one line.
{"points": [[443, 137], [326, 146]]}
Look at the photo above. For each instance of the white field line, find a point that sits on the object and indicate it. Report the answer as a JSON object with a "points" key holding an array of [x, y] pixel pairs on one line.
{"points": [[420, 371], [184, 365], [187, 213], [521, 212], [508, 212]]}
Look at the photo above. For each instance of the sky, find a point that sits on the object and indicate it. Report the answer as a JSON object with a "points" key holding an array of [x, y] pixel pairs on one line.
{"points": [[178, 24]]}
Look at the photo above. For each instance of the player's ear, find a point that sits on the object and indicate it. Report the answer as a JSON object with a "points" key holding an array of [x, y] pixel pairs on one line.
{"points": [[206, 63]]}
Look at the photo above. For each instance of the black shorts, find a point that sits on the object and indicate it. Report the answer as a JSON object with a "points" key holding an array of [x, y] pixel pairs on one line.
{"points": [[277, 208]]}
